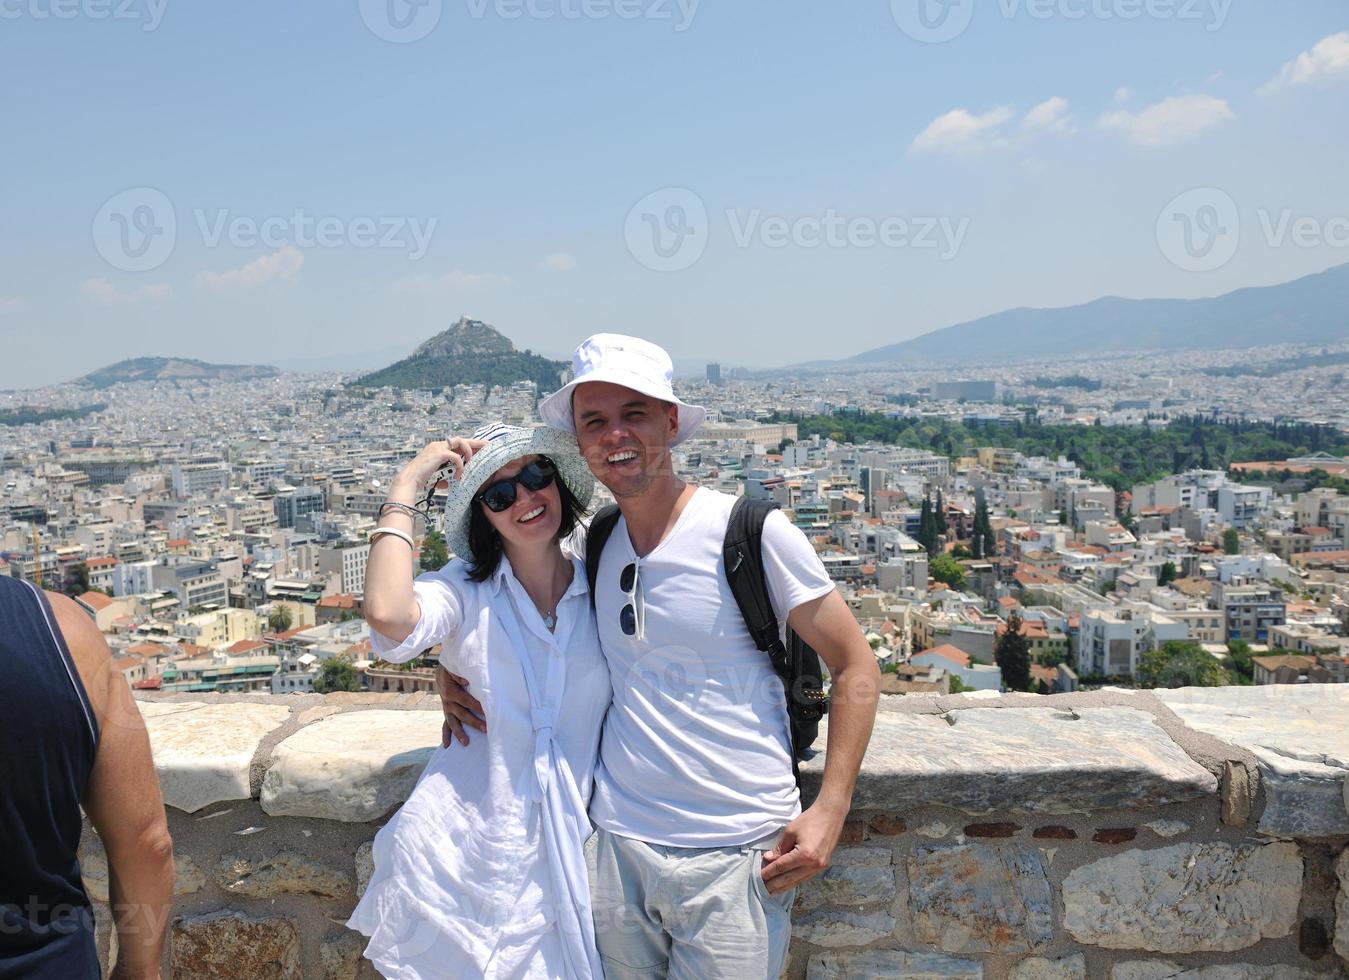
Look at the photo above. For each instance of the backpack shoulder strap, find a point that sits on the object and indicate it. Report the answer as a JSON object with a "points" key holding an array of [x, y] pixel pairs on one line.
{"points": [[742, 553], [601, 527]]}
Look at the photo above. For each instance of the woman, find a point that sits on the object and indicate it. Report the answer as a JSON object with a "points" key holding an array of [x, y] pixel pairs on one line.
{"points": [[481, 873]]}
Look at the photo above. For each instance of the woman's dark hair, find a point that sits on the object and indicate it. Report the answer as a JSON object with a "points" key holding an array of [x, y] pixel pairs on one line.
{"points": [[485, 543]]}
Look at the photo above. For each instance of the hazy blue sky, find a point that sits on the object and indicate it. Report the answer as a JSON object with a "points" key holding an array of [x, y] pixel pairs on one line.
{"points": [[759, 181]]}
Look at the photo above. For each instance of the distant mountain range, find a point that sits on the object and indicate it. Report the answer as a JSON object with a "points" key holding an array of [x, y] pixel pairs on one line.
{"points": [[171, 369], [1310, 310], [469, 352]]}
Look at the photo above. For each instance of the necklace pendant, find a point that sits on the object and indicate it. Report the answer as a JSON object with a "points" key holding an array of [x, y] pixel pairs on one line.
{"points": [[549, 621]]}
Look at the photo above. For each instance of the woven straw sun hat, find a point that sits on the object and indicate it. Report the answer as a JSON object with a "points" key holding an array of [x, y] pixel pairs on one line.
{"points": [[506, 443]]}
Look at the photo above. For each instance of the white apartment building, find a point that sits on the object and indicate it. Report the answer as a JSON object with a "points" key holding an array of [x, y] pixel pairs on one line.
{"points": [[190, 479], [1112, 641], [347, 559]]}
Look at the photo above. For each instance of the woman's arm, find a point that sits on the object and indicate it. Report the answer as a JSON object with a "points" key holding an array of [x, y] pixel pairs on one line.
{"points": [[391, 606]]}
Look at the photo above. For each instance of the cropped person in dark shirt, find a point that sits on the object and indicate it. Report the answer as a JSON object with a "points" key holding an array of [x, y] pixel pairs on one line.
{"points": [[71, 737]]}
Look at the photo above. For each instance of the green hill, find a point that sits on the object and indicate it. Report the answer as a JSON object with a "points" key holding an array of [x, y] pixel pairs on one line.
{"points": [[469, 352], [173, 369]]}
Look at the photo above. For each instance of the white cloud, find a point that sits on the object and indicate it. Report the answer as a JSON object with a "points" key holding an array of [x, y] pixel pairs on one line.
{"points": [[454, 279], [1123, 94], [1050, 116], [559, 262], [103, 291], [961, 131], [1328, 59], [10, 305], [282, 265], [1170, 121]]}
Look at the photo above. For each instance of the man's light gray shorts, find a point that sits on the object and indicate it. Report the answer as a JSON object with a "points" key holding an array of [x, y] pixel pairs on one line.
{"points": [[687, 913]]}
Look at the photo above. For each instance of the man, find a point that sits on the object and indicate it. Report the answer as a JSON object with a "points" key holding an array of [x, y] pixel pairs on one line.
{"points": [[702, 840], [71, 736]]}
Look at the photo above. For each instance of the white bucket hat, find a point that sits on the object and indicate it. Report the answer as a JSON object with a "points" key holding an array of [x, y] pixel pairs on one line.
{"points": [[506, 443], [628, 361]]}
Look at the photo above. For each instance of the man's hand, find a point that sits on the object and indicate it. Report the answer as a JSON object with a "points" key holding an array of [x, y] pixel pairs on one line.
{"points": [[460, 707], [806, 847]]}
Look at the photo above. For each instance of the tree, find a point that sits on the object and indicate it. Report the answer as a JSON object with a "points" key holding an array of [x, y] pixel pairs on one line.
{"points": [[435, 553], [940, 514], [927, 528], [1167, 575], [336, 675], [946, 569], [957, 685], [79, 578], [1180, 664], [1231, 541], [1012, 655], [279, 619], [1240, 653]]}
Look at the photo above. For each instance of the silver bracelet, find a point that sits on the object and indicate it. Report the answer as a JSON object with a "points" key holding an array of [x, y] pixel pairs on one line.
{"points": [[396, 533], [402, 508]]}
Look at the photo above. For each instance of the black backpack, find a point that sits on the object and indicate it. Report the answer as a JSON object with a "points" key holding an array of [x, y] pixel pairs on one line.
{"points": [[795, 662]]}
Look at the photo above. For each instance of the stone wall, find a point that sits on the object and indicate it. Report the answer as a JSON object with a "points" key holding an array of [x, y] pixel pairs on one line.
{"points": [[1196, 834]]}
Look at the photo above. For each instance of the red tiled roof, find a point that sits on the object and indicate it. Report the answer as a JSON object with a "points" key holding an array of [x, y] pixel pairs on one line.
{"points": [[96, 601], [949, 652], [243, 646]]}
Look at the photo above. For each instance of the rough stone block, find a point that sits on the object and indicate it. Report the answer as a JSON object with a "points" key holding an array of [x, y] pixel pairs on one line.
{"points": [[852, 885], [228, 945], [287, 873], [935, 830], [1040, 968], [872, 856], [829, 928], [1166, 970], [203, 751], [1185, 898], [1167, 828], [1027, 760], [891, 964], [978, 898], [854, 832], [187, 877], [1236, 795], [887, 826], [991, 829], [1342, 906], [365, 866], [353, 767], [1298, 737], [340, 955]]}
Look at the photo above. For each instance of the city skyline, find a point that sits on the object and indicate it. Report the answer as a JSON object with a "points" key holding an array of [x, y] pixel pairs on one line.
{"points": [[704, 176]]}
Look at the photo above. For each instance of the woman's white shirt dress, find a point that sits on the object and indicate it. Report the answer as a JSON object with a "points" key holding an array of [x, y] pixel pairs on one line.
{"points": [[482, 872]]}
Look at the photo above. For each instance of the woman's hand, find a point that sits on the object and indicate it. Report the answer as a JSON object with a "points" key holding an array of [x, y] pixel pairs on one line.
{"points": [[417, 473]]}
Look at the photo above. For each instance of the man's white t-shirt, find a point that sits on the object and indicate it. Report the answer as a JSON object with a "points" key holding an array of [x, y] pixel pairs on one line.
{"points": [[696, 746]]}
